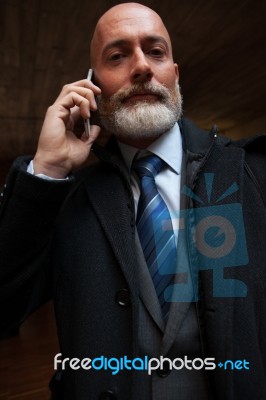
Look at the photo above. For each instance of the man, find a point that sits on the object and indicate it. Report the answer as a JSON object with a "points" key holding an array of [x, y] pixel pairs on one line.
{"points": [[94, 238]]}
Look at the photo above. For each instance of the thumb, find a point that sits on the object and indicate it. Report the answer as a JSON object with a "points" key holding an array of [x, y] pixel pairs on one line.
{"points": [[94, 133]]}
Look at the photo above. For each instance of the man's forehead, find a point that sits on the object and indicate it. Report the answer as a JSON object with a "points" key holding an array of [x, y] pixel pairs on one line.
{"points": [[135, 20], [120, 23], [127, 11]]}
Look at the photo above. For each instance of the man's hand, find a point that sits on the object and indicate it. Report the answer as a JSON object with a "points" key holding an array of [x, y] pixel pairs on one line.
{"points": [[59, 150]]}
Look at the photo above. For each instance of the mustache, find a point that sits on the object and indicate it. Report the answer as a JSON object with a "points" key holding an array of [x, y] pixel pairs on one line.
{"points": [[141, 88]]}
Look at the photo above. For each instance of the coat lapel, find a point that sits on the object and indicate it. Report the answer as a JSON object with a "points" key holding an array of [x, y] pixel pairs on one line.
{"points": [[113, 204], [147, 290], [113, 207]]}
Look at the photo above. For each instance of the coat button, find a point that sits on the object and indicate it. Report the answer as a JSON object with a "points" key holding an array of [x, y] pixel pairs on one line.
{"points": [[108, 395], [123, 297], [164, 372]]}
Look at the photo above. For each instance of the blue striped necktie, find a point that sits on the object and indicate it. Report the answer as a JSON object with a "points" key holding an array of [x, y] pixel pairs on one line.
{"points": [[155, 228]]}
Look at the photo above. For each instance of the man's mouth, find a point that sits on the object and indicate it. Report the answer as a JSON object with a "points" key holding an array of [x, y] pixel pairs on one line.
{"points": [[142, 96]]}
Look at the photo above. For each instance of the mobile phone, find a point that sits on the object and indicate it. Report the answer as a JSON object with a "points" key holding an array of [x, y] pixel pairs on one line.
{"points": [[87, 120], [94, 118]]}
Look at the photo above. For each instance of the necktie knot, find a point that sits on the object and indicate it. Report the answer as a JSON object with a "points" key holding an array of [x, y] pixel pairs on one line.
{"points": [[148, 166]]}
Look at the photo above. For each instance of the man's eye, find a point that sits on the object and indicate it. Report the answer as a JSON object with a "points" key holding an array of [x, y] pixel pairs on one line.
{"points": [[157, 52], [116, 56]]}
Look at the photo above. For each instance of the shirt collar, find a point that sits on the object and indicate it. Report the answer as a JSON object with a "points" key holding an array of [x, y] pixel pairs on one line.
{"points": [[168, 147]]}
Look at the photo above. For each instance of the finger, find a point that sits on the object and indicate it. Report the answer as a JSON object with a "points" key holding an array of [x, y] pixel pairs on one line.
{"points": [[71, 100], [87, 93], [85, 83], [94, 133], [75, 114]]}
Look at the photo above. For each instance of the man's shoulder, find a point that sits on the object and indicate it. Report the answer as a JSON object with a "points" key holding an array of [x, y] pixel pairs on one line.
{"points": [[195, 135], [255, 144]]}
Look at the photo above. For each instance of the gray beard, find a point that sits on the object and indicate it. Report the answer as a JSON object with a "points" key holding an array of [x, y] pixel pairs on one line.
{"points": [[143, 120]]}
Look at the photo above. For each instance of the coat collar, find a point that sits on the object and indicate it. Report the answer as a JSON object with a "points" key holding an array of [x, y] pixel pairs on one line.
{"points": [[195, 141]]}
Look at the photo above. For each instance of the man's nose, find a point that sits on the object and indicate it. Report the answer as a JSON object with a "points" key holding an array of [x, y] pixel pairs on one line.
{"points": [[141, 70]]}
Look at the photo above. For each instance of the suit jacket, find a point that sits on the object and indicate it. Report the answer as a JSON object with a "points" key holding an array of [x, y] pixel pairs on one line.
{"points": [[75, 240]]}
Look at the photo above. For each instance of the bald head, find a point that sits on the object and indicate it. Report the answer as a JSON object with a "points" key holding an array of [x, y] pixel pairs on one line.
{"points": [[125, 14]]}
